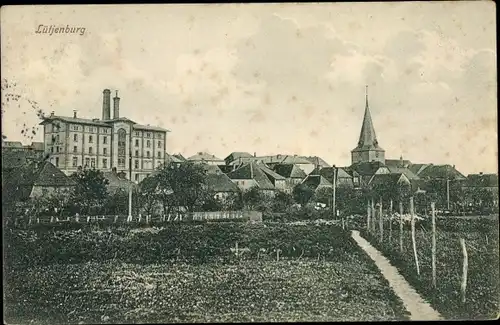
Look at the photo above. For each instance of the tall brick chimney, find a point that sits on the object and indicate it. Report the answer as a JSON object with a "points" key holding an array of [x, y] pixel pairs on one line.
{"points": [[116, 106], [106, 105]]}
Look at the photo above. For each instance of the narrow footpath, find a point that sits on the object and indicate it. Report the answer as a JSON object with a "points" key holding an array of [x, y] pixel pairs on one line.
{"points": [[414, 304]]}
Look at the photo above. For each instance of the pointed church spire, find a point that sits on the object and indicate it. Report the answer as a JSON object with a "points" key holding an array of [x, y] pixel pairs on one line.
{"points": [[367, 137]]}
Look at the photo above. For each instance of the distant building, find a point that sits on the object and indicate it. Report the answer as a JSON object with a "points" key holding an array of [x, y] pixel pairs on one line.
{"points": [[342, 176], [293, 175], [250, 175], [34, 180], [104, 143], [316, 182], [203, 157], [278, 181], [368, 149], [235, 156]]}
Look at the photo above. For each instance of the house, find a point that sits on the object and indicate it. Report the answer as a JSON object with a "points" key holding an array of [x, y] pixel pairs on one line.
{"points": [[390, 180], [431, 171], [488, 182], [173, 159], [293, 175], [222, 187], [235, 156], [203, 157], [180, 157], [317, 161], [212, 169], [278, 181], [250, 175], [316, 182], [401, 163], [35, 179], [365, 170], [342, 177], [299, 161], [117, 181]]}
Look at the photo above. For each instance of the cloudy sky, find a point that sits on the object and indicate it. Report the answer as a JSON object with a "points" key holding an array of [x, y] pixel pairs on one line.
{"points": [[269, 78]]}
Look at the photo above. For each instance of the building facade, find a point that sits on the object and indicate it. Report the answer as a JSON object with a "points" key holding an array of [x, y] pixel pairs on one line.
{"points": [[73, 142]]}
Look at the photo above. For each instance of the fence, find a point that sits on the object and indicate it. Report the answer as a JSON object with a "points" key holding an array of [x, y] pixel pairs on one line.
{"points": [[253, 216], [437, 253]]}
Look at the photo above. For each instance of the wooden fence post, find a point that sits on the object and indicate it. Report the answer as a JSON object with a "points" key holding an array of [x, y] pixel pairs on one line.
{"points": [[413, 235], [381, 221], [374, 217], [368, 216], [463, 287], [390, 222], [401, 226], [433, 208]]}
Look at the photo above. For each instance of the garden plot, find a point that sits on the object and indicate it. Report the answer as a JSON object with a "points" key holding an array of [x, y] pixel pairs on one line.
{"points": [[193, 274]]}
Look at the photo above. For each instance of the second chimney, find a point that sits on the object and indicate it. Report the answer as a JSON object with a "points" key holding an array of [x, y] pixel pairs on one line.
{"points": [[106, 105], [74, 113], [116, 106]]}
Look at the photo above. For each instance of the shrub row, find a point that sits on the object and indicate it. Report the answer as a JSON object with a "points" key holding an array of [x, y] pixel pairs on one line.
{"points": [[193, 242]]}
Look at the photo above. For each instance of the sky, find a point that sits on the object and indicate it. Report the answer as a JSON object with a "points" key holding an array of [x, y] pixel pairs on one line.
{"points": [[269, 78]]}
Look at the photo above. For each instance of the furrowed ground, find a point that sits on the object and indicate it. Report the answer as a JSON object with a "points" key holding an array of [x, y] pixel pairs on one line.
{"points": [[187, 273]]}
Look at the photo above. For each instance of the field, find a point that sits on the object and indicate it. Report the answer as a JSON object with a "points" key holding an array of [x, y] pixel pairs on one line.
{"points": [[188, 273], [481, 238]]}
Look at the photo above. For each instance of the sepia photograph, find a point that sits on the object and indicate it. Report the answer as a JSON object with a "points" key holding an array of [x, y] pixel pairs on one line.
{"points": [[257, 162]]}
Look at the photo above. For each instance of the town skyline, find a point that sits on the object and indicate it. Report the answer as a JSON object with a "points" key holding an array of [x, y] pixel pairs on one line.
{"points": [[431, 87]]}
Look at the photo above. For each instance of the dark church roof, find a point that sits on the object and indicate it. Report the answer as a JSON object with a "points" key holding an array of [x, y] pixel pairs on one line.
{"points": [[367, 136], [367, 168]]}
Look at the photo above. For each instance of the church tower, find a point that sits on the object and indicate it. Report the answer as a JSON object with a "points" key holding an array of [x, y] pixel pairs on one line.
{"points": [[368, 149]]}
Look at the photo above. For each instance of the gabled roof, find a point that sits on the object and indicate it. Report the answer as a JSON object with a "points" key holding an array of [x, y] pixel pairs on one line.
{"points": [[316, 181], [173, 158], [388, 179], [400, 170], [367, 168], [367, 137], [441, 172], [482, 180], [221, 183], [225, 168], [212, 169], [180, 157], [237, 154], [203, 156], [417, 168], [19, 182], [273, 176], [117, 183], [15, 159], [289, 171], [287, 159], [328, 172], [252, 171], [317, 161], [397, 163]]}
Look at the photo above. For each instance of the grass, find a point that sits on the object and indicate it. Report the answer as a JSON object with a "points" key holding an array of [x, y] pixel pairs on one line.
{"points": [[483, 290], [135, 286]]}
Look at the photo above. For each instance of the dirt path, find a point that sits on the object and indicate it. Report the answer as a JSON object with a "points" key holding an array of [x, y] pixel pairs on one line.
{"points": [[416, 306]]}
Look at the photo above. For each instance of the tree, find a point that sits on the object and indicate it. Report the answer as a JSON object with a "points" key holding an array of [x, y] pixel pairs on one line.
{"points": [[302, 194], [282, 202], [181, 185], [147, 195], [90, 193], [252, 198]]}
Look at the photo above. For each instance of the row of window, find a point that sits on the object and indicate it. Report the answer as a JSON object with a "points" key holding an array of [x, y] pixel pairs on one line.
{"points": [[148, 143], [89, 128], [91, 139], [89, 162], [148, 134]]}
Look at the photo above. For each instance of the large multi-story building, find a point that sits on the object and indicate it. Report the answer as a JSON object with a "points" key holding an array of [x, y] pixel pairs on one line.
{"points": [[105, 143]]}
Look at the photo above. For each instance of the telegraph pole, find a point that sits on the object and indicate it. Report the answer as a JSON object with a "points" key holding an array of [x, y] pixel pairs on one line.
{"points": [[130, 177], [334, 192], [448, 193]]}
